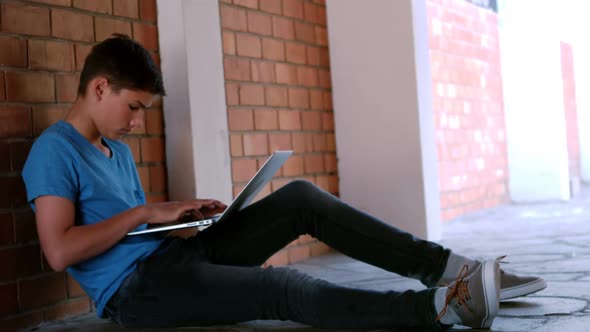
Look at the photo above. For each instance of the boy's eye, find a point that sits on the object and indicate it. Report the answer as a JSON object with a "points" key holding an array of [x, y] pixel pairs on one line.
{"points": [[133, 108]]}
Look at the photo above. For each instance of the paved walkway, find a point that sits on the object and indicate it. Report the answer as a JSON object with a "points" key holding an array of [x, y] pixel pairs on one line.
{"points": [[549, 240]]}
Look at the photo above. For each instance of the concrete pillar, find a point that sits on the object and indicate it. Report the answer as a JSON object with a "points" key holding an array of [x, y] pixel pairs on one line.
{"points": [[533, 102], [382, 100], [195, 113]]}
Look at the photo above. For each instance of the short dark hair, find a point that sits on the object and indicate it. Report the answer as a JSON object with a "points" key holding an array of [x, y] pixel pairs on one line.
{"points": [[125, 63]]}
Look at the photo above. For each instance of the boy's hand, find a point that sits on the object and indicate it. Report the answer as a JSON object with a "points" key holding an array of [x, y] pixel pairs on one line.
{"points": [[159, 213]]}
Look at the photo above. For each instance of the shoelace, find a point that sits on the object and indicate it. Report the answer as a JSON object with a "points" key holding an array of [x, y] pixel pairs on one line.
{"points": [[458, 290]]}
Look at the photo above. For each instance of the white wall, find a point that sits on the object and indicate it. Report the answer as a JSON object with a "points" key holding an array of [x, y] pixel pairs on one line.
{"points": [[197, 147], [533, 102], [383, 114]]}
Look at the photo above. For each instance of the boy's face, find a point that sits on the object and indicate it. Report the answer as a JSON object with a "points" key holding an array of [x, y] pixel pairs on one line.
{"points": [[120, 112]]}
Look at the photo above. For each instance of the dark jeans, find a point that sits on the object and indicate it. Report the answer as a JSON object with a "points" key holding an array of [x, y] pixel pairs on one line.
{"points": [[215, 277]]}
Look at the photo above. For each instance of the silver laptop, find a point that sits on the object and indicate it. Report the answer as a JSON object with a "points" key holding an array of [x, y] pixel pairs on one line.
{"points": [[260, 179]]}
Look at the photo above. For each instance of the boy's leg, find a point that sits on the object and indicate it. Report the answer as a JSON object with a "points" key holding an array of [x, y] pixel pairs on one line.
{"points": [[263, 228], [181, 288]]}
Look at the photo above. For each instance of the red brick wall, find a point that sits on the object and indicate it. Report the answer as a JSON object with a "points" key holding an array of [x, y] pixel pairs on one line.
{"points": [[42, 48], [571, 113], [468, 106], [278, 91]]}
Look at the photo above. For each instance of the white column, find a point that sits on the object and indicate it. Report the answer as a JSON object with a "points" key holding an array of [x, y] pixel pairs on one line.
{"points": [[384, 123], [533, 102], [197, 147]]}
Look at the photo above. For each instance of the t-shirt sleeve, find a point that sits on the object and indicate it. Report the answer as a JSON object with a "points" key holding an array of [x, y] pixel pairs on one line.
{"points": [[50, 170]]}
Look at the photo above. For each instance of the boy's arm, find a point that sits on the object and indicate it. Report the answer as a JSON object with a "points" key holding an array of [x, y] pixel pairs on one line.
{"points": [[65, 244]]}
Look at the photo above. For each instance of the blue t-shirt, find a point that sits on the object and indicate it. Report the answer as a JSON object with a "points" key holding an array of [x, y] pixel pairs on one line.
{"points": [[64, 163]]}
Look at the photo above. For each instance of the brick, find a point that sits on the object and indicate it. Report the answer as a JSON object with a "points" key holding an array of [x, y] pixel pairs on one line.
{"points": [[243, 169], [328, 121], [67, 87], [307, 76], [255, 144], [134, 145], [71, 25], [105, 27], [251, 95], [327, 101], [263, 71], [247, 3], [2, 87], [22, 321], [127, 8], [65, 3], [98, 6], [51, 55], [81, 51], [156, 198], [144, 178], [302, 142], [271, 6], [266, 120], [283, 28], [259, 23], [279, 141], [233, 18], [324, 57], [321, 36], [273, 49], [293, 166], [314, 163], [148, 10], [158, 179], [14, 52], [276, 96], [295, 53], [313, 55], [240, 119], [9, 296], [248, 45], [146, 35], [289, 120], [319, 142], [5, 161], [293, 8], [236, 146], [25, 228], [316, 100], [331, 142], [6, 230], [24, 19], [29, 87], [236, 69], [298, 98], [46, 115], [42, 291], [286, 73], [325, 78], [229, 42], [20, 262], [231, 94], [154, 122], [310, 12], [152, 149], [311, 120], [304, 32], [330, 163], [13, 194], [15, 121], [68, 308]]}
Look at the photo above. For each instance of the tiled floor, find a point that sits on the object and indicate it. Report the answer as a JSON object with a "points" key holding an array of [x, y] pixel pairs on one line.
{"points": [[549, 240]]}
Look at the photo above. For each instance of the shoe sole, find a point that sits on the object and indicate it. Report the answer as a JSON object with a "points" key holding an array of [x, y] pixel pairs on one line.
{"points": [[522, 290], [490, 292]]}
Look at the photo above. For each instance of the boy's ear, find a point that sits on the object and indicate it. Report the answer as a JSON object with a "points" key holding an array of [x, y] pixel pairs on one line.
{"points": [[99, 87]]}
